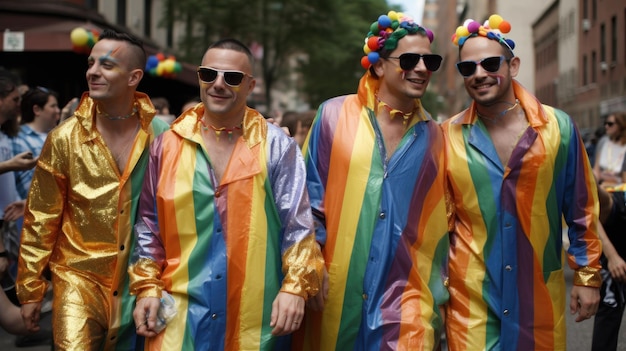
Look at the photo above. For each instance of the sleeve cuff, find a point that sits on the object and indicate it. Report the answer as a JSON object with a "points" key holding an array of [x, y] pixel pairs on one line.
{"points": [[588, 276]]}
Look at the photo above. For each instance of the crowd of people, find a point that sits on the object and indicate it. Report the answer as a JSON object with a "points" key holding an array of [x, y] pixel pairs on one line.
{"points": [[362, 225]]}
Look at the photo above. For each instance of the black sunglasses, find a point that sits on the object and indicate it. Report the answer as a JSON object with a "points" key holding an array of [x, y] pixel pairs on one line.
{"points": [[489, 64], [609, 124], [232, 78], [408, 61]]}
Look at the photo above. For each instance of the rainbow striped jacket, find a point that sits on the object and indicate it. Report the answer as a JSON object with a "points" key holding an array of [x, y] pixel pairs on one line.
{"points": [[383, 225], [224, 251], [507, 287]]}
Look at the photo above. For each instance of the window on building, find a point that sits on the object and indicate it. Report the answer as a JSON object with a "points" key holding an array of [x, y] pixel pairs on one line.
{"points": [[602, 43], [594, 10], [585, 9], [91, 4], [169, 39], [147, 15], [594, 67], [614, 39], [584, 70], [121, 12]]}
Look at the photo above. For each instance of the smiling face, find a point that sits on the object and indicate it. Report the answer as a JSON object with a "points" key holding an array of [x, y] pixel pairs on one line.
{"points": [[484, 87], [223, 101], [110, 74], [405, 85]]}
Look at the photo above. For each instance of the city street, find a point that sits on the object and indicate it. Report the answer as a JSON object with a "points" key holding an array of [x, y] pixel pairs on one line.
{"points": [[578, 334]]}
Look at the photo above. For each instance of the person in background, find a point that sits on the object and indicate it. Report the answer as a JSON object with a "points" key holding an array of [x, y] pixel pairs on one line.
{"points": [[515, 169], [594, 143], [608, 319], [298, 124], [191, 103], [40, 114], [82, 204], [375, 173], [225, 224], [610, 155], [162, 107], [10, 316], [9, 112]]}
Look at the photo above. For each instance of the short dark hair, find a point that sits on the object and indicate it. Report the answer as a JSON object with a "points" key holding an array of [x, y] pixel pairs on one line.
{"points": [[134, 42], [233, 44], [291, 118], [8, 82], [34, 97]]}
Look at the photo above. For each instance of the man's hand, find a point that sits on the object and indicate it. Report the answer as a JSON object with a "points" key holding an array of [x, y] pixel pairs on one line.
{"points": [[287, 313], [584, 301], [316, 303], [14, 210], [31, 312], [145, 316]]}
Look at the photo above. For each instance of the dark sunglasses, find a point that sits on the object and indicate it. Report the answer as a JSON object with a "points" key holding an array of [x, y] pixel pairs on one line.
{"points": [[489, 64], [408, 61], [609, 124], [232, 78]]}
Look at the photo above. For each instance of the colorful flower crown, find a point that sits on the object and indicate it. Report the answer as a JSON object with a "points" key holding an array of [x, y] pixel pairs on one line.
{"points": [[385, 33], [492, 29]]}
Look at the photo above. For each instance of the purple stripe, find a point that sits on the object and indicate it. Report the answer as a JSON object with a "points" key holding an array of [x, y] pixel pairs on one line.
{"points": [[328, 124], [525, 251], [403, 260]]}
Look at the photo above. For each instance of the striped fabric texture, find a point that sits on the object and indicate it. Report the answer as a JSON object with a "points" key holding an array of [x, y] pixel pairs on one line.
{"points": [[382, 222], [507, 289]]}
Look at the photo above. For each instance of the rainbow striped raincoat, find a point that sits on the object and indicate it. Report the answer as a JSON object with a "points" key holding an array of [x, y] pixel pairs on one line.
{"points": [[507, 289], [382, 223], [225, 250]]}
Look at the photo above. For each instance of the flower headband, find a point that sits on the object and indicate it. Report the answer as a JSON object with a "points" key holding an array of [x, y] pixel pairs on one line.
{"points": [[491, 29], [385, 33]]}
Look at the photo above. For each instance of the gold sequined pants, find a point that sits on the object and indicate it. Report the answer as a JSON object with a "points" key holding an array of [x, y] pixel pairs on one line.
{"points": [[80, 312]]}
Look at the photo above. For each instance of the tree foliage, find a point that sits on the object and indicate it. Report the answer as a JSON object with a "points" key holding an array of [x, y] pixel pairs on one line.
{"points": [[330, 33]]}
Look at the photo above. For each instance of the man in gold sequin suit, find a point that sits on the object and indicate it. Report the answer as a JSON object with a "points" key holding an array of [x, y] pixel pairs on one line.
{"points": [[82, 202]]}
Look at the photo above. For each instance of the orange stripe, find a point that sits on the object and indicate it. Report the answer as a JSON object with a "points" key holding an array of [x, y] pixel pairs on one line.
{"points": [[338, 169], [237, 227]]}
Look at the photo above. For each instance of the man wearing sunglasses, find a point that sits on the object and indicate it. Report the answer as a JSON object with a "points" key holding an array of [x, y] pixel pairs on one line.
{"points": [[515, 168], [375, 176], [225, 224]]}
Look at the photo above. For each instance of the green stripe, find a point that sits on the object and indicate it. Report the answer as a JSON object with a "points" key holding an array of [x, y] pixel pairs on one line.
{"points": [[478, 172], [353, 299], [273, 267], [552, 262], [204, 211]]}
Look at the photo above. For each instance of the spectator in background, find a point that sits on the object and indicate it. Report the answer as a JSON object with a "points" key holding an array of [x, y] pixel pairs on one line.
{"points": [[10, 317], [298, 124], [162, 107], [40, 114], [608, 319], [9, 112], [610, 155], [594, 142], [193, 102]]}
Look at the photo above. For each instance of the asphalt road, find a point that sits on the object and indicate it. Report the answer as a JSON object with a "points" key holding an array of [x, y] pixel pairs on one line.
{"points": [[578, 334]]}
